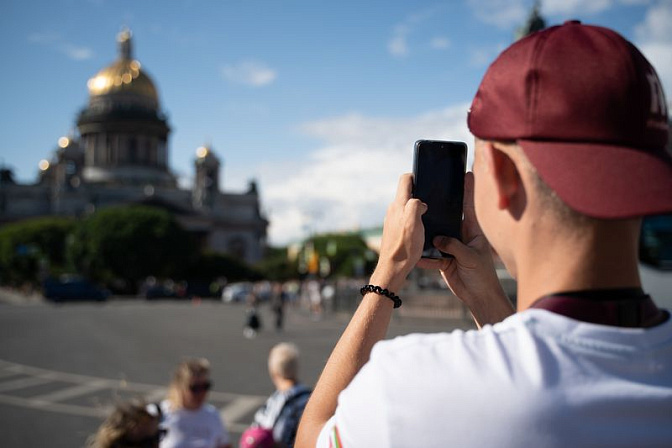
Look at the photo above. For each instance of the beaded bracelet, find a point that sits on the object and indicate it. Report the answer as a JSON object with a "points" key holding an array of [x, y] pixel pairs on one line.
{"points": [[383, 292]]}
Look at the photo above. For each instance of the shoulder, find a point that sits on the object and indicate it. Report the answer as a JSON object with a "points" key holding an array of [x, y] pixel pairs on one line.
{"points": [[414, 361], [165, 407], [300, 390], [424, 347]]}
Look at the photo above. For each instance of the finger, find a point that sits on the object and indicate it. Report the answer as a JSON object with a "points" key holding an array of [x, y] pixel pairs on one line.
{"points": [[431, 263], [405, 188], [416, 207], [470, 226], [468, 201], [462, 253]]}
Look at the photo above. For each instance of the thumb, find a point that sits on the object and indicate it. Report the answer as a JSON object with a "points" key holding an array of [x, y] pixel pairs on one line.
{"points": [[454, 247]]}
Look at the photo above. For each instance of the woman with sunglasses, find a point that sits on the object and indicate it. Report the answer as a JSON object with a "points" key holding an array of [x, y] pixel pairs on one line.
{"points": [[190, 421], [130, 425]]}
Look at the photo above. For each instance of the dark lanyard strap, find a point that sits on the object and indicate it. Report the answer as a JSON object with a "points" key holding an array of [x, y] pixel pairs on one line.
{"points": [[623, 307]]}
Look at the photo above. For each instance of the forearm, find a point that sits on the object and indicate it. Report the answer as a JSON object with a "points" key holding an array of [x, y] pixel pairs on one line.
{"points": [[368, 325], [401, 246]]}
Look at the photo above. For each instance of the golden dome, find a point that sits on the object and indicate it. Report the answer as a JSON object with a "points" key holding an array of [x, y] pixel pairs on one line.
{"points": [[123, 76]]}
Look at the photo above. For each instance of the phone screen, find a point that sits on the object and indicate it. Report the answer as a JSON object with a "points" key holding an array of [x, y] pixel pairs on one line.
{"points": [[438, 181]]}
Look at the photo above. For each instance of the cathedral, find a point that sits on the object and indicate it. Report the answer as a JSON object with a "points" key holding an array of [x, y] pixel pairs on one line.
{"points": [[119, 155]]}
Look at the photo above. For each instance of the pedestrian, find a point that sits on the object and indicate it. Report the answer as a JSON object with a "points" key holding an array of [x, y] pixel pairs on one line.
{"points": [[571, 131], [130, 425], [281, 413], [315, 298], [189, 419], [252, 318], [278, 300]]}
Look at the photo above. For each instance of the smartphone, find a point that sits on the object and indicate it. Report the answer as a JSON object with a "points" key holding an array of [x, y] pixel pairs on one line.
{"points": [[438, 181]]}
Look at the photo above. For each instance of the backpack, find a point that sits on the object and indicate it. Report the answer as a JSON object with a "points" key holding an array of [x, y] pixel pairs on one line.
{"points": [[257, 437]]}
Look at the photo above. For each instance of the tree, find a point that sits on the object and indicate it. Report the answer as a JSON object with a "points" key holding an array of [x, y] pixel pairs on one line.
{"points": [[209, 266], [347, 254], [276, 265], [131, 243], [34, 247]]}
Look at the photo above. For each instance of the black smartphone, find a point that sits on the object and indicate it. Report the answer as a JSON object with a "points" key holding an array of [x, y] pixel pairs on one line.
{"points": [[438, 181]]}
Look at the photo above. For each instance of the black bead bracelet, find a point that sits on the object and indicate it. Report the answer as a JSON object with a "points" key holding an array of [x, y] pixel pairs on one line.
{"points": [[383, 292]]}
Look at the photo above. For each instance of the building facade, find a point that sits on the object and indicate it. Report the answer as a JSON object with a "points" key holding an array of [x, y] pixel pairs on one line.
{"points": [[119, 155]]}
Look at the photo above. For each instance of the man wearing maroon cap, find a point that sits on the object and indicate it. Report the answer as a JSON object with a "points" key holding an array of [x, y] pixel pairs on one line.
{"points": [[571, 131]]}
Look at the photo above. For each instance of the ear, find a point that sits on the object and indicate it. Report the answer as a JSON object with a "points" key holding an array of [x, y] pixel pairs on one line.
{"points": [[505, 175]]}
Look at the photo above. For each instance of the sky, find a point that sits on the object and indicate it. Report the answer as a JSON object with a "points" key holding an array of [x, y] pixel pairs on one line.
{"points": [[319, 102]]}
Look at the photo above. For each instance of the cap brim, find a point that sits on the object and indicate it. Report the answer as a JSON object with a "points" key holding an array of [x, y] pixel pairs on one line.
{"points": [[604, 181]]}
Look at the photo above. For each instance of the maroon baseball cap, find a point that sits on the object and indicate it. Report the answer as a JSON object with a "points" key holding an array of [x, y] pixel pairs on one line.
{"points": [[589, 112]]}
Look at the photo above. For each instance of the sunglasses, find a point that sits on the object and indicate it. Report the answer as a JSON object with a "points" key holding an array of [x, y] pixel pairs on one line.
{"points": [[148, 442], [203, 387]]}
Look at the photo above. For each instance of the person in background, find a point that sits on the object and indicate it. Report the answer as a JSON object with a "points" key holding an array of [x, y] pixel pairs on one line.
{"points": [[278, 301], [283, 409], [190, 421], [571, 130], [130, 425]]}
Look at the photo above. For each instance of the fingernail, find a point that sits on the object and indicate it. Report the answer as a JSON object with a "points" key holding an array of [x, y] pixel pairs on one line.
{"points": [[440, 240]]}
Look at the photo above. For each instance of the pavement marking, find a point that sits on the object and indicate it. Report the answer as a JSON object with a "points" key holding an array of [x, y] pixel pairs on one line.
{"points": [[72, 392], [6, 373], [56, 407], [238, 405], [22, 383]]}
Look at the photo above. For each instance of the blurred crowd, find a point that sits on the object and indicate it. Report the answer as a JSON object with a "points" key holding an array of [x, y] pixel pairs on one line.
{"points": [[185, 419]]}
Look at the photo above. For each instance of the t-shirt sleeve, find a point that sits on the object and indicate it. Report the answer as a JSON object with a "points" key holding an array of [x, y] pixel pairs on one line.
{"points": [[328, 431], [360, 419]]}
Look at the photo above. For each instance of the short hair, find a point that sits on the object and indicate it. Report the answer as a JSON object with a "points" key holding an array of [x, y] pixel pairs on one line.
{"points": [[550, 199], [115, 431], [184, 373], [283, 361]]}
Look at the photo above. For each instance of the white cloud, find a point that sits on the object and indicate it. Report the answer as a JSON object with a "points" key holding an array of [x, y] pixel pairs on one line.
{"points": [[503, 14], [56, 42], [654, 39], [397, 46], [76, 53], [43, 38], [507, 14], [251, 73], [569, 7], [440, 43], [349, 181]]}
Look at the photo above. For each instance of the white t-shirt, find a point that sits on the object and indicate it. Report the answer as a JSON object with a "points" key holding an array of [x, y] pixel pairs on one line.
{"points": [[537, 379], [202, 428]]}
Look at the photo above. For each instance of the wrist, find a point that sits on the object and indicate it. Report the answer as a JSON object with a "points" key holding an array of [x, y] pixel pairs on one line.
{"points": [[387, 280]]}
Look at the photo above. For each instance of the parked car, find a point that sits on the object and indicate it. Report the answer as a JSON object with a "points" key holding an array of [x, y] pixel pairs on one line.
{"points": [[159, 292], [73, 288], [237, 292]]}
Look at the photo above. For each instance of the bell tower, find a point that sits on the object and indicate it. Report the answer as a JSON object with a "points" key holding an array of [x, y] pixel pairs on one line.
{"points": [[206, 184]]}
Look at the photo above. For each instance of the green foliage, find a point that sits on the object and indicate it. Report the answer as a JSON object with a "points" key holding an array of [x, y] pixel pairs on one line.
{"points": [[33, 247], [131, 243], [277, 266], [210, 266], [347, 253]]}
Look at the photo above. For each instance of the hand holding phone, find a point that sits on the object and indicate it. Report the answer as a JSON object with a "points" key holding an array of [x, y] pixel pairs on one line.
{"points": [[438, 181]]}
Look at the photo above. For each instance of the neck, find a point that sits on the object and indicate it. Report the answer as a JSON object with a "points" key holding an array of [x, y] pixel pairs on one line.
{"points": [[283, 384], [601, 255]]}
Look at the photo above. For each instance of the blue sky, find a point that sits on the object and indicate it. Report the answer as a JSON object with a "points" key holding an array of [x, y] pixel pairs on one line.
{"points": [[319, 101]]}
